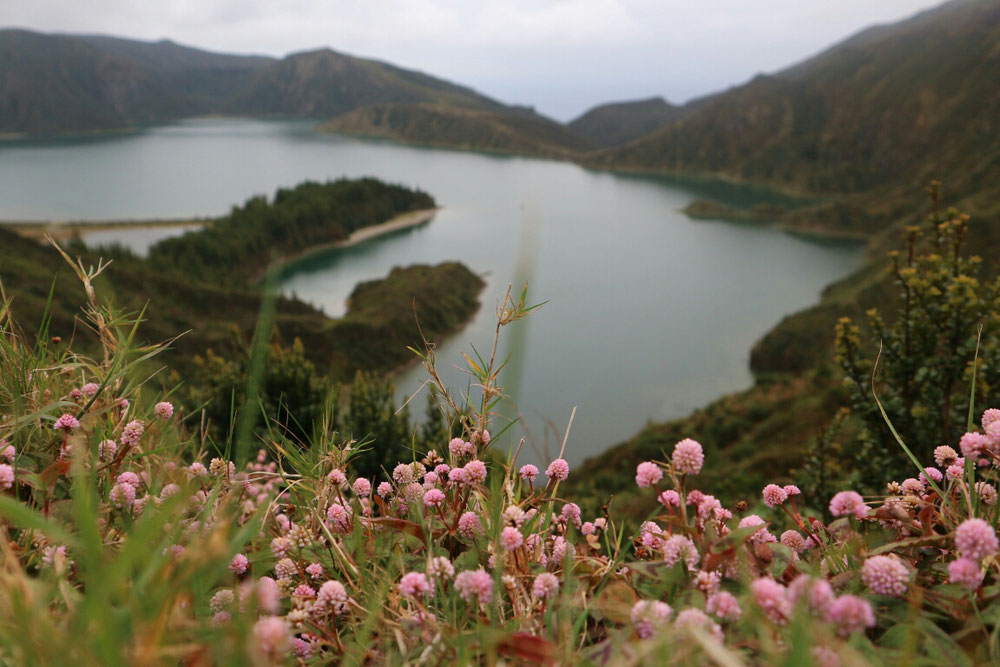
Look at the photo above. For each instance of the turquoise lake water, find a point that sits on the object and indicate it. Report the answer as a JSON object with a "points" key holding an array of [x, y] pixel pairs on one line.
{"points": [[649, 314]]}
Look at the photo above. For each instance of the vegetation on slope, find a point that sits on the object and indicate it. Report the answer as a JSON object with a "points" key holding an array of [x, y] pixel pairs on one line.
{"points": [[237, 248], [881, 113], [618, 123], [515, 131], [124, 539], [324, 83], [206, 283]]}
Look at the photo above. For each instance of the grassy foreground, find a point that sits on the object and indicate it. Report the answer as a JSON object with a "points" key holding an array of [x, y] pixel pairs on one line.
{"points": [[124, 539]]}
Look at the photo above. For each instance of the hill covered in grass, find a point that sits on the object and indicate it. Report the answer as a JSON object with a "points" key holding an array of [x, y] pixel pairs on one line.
{"points": [[510, 131], [212, 296], [618, 123], [881, 113]]}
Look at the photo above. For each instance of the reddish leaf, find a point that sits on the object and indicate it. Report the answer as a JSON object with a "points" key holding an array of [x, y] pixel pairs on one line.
{"points": [[400, 525], [528, 647], [58, 468]]}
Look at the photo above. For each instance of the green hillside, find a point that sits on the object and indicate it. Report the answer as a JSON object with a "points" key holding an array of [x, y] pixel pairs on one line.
{"points": [[324, 83], [180, 294], [882, 112], [497, 131], [618, 123], [59, 84]]}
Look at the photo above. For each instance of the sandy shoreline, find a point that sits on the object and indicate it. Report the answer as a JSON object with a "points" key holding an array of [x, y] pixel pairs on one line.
{"points": [[62, 231], [399, 222]]}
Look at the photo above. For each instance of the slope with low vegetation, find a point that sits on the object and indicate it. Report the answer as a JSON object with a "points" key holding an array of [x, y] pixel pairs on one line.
{"points": [[519, 132], [618, 123]]}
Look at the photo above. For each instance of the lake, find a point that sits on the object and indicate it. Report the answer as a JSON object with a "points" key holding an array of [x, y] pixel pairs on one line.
{"points": [[649, 314]]}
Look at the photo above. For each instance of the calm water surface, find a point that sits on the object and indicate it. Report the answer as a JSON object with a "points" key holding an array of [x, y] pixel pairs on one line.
{"points": [[649, 314]]}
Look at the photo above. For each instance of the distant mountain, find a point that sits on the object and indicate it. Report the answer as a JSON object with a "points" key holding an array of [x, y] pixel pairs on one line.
{"points": [[891, 107], [324, 83], [56, 83], [510, 130], [618, 123], [52, 84], [207, 77]]}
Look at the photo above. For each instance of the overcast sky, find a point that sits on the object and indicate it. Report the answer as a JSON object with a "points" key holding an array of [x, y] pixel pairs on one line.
{"points": [[562, 56]]}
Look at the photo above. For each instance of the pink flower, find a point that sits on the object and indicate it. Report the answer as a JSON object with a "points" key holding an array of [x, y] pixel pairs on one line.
{"points": [[558, 470], [848, 502], [384, 489], [304, 591], [885, 575], [956, 471], [692, 618], [440, 567], [818, 593], [990, 416], [456, 475], [475, 472], [851, 614], [285, 568], [588, 528], [793, 540], [331, 593], [933, 473], [129, 477], [976, 539], [122, 495], [67, 423], [772, 598], [403, 474], [647, 473], [945, 456], [677, 547], [571, 514], [761, 536], [339, 518], [669, 498], [107, 449], [362, 487], [6, 476], [239, 564], [511, 538], [966, 573], [459, 447], [724, 606], [792, 490], [545, 586], [912, 487], [337, 478], [314, 570], [434, 498], [708, 582], [688, 457], [89, 389], [774, 495], [987, 493], [272, 636], [7, 451], [469, 525], [414, 584], [648, 616], [132, 432], [163, 410], [475, 584], [529, 473], [974, 445]]}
